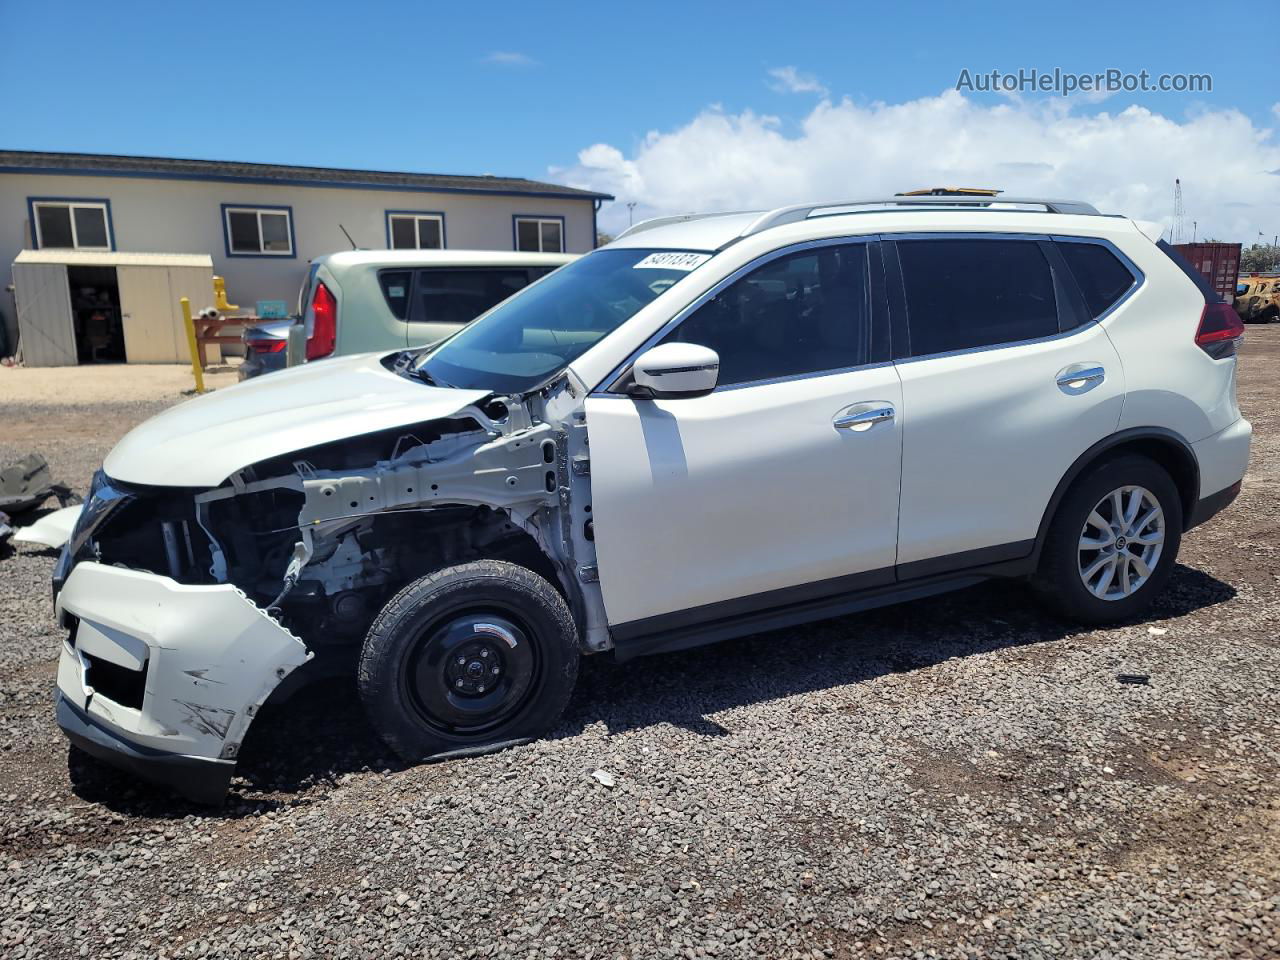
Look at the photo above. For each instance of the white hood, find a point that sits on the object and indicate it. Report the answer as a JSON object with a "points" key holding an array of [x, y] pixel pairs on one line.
{"points": [[203, 441]]}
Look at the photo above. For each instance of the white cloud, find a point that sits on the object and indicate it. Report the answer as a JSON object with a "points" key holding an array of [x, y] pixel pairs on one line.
{"points": [[791, 80], [1123, 162], [508, 58]]}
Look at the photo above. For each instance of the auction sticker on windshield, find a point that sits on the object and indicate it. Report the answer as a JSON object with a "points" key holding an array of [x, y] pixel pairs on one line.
{"points": [[672, 261]]}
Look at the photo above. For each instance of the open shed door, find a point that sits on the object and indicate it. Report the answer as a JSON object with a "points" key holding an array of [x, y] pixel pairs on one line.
{"points": [[46, 334]]}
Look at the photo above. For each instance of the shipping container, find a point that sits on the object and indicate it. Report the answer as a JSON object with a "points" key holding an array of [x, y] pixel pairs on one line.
{"points": [[1218, 262]]}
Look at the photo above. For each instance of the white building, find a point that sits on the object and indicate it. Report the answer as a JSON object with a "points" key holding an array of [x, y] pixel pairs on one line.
{"points": [[262, 223]]}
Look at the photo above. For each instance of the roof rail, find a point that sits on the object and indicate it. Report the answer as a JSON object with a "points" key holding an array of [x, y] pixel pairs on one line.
{"points": [[679, 218], [776, 218]]}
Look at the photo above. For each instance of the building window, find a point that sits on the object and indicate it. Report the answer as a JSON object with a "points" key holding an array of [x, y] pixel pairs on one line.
{"points": [[258, 231], [74, 224], [408, 230], [540, 234]]}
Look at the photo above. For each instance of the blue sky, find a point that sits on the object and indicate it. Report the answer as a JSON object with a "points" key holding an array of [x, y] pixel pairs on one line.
{"points": [[417, 86]]}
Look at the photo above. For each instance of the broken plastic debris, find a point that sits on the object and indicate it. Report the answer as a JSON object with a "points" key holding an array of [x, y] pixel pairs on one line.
{"points": [[52, 530], [1157, 631], [604, 778], [1136, 678]]}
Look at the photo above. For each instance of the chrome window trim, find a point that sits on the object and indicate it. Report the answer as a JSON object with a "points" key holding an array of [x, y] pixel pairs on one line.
{"points": [[1139, 278], [988, 348], [771, 381], [621, 369]]}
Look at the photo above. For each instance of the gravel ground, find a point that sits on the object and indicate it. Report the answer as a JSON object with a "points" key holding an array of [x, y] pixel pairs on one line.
{"points": [[961, 777]]}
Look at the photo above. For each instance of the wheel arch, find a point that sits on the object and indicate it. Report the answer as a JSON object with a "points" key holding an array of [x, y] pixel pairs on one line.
{"points": [[1166, 447]]}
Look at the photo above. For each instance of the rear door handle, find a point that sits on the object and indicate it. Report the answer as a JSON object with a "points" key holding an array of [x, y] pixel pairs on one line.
{"points": [[1080, 377], [863, 416]]}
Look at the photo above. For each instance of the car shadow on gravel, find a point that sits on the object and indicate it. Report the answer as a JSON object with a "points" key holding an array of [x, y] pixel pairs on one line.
{"points": [[298, 750], [685, 689]]}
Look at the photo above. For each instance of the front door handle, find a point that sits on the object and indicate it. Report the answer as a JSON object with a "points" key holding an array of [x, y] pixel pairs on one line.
{"points": [[863, 417], [1080, 377]]}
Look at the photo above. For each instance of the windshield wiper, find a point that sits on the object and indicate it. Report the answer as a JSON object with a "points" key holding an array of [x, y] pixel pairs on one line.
{"points": [[429, 380]]}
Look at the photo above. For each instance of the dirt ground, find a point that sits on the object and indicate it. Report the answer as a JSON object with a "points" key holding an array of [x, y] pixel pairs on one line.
{"points": [[107, 383], [958, 777]]}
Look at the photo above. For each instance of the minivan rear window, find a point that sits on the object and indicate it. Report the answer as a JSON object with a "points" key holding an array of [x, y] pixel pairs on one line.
{"points": [[459, 296], [1099, 274]]}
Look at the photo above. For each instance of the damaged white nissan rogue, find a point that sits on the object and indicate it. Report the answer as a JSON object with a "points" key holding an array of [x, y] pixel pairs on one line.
{"points": [[713, 426]]}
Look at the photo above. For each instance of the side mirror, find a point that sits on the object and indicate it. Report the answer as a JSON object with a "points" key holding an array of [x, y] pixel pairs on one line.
{"points": [[676, 370]]}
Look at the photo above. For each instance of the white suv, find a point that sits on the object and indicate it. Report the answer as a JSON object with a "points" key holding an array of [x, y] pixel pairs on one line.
{"points": [[713, 426]]}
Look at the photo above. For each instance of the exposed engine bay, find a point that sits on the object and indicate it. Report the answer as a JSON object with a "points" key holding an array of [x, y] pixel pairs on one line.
{"points": [[322, 537]]}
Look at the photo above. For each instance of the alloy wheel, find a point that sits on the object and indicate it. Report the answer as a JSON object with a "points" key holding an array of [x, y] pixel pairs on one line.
{"points": [[1121, 543]]}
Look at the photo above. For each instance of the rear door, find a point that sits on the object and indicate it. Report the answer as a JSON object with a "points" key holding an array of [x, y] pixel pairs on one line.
{"points": [[442, 299], [1006, 380]]}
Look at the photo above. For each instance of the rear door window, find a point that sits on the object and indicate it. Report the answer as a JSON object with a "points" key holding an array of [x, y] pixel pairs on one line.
{"points": [[459, 296], [1101, 276], [965, 293]]}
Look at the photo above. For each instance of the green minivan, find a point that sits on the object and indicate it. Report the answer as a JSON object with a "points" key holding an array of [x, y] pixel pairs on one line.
{"points": [[359, 301]]}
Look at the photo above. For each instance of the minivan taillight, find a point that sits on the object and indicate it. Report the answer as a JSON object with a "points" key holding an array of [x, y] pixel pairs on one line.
{"points": [[1220, 330], [324, 323]]}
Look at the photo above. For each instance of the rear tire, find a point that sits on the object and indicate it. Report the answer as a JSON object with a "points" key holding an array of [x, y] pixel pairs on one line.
{"points": [[468, 660], [1113, 542]]}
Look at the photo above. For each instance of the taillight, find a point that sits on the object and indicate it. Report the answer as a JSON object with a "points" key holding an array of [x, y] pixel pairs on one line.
{"points": [[1220, 330], [265, 346], [324, 323]]}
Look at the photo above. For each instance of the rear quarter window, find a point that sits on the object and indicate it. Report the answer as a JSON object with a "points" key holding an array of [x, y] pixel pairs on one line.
{"points": [[1101, 276], [395, 290]]}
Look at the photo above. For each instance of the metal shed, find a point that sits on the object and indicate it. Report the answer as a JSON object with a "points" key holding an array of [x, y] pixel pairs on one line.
{"points": [[138, 297]]}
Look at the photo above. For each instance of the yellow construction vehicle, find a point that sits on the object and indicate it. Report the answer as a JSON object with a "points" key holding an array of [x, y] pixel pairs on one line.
{"points": [[1258, 299]]}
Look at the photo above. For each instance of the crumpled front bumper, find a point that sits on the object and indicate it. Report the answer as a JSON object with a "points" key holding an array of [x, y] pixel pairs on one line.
{"points": [[163, 678]]}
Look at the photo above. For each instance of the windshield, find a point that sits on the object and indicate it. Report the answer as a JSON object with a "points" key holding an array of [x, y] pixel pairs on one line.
{"points": [[545, 327]]}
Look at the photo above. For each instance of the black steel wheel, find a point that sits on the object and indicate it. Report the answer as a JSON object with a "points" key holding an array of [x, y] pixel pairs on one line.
{"points": [[469, 659]]}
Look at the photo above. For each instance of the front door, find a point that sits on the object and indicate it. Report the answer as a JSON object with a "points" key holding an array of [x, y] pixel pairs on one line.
{"points": [[779, 486]]}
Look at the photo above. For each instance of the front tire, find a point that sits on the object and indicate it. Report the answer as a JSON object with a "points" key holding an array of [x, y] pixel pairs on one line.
{"points": [[467, 660], [1113, 543]]}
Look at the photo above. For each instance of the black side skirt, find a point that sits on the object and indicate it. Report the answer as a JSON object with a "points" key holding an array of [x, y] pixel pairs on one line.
{"points": [[789, 607]]}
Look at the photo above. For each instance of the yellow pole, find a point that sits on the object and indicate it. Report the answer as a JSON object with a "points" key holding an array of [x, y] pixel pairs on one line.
{"points": [[191, 343]]}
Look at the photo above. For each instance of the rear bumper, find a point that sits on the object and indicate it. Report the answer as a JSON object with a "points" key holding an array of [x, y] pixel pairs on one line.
{"points": [[1223, 459], [196, 778], [1213, 504]]}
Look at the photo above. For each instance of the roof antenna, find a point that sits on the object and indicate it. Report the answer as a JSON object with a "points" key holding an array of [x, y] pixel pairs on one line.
{"points": [[348, 236]]}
